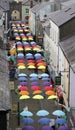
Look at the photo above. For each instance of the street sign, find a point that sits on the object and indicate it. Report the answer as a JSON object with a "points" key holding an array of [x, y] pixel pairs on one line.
{"points": [[58, 80]]}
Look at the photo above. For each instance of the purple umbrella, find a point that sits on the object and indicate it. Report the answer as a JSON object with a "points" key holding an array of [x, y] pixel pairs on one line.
{"points": [[46, 83], [23, 83], [28, 128], [46, 128], [64, 128], [38, 57], [34, 83]]}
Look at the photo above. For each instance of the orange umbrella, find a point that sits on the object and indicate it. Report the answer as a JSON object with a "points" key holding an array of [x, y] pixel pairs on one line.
{"points": [[50, 92], [37, 92], [24, 93], [31, 64], [19, 64], [42, 63]]}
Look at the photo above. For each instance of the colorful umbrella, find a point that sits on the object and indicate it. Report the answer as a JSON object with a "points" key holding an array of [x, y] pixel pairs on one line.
{"points": [[38, 97], [58, 113], [28, 128], [21, 67], [23, 88], [26, 113], [46, 128], [46, 88], [20, 61], [60, 121], [42, 113], [44, 75], [50, 92], [31, 67], [46, 83], [24, 97], [27, 120], [22, 74], [53, 97], [22, 78], [44, 121], [42, 67], [64, 128], [45, 79], [34, 79], [35, 88], [33, 75], [35, 83], [24, 92], [37, 92]]}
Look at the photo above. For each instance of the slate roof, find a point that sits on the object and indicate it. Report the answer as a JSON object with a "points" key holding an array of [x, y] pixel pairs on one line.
{"points": [[68, 48], [62, 16], [27, 2]]}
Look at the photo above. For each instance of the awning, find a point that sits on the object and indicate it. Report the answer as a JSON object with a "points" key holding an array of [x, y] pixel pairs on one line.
{"points": [[3, 107]]}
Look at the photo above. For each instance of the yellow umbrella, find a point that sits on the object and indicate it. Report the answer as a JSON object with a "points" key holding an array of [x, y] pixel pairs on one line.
{"points": [[24, 97], [36, 49], [24, 93], [37, 92], [31, 67], [42, 67], [52, 97], [38, 97], [50, 92], [20, 49], [31, 64], [21, 67]]}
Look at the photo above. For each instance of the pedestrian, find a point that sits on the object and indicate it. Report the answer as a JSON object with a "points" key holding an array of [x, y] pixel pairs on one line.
{"points": [[52, 123]]}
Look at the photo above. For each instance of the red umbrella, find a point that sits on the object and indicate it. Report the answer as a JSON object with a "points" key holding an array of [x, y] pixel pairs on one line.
{"points": [[39, 61], [20, 61], [30, 61], [25, 88], [48, 88], [35, 88]]}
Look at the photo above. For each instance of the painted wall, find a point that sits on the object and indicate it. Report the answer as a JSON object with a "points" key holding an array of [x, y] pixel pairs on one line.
{"points": [[24, 13]]}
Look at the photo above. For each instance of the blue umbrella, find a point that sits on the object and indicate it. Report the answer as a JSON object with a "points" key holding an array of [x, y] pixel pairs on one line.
{"points": [[29, 57], [46, 79], [44, 121], [58, 113], [33, 79], [29, 54], [26, 43], [47, 127], [18, 43], [20, 57], [37, 54], [22, 74], [26, 113], [44, 75], [38, 58], [33, 75], [42, 113], [27, 120], [60, 121], [22, 78], [20, 54]]}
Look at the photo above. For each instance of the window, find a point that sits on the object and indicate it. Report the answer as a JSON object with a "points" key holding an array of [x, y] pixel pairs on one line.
{"points": [[27, 10]]}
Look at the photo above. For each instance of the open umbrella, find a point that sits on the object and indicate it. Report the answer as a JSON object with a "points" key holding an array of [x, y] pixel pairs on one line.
{"points": [[50, 92], [37, 92], [46, 79], [31, 67], [44, 121], [53, 97], [26, 113], [35, 88], [22, 74], [37, 54], [58, 113], [42, 113], [46, 128], [60, 121], [46, 83], [23, 92], [23, 83], [27, 120], [44, 75], [35, 83], [64, 128], [24, 97], [28, 128], [22, 78], [33, 75], [38, 97], [34, 79], [29, 54], [21, 67], [46, 88], [23, 88]]}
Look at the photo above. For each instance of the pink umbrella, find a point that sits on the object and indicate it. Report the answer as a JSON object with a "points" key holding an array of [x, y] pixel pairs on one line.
{"points": [[46, 88], [22, 88], [35, 88]]}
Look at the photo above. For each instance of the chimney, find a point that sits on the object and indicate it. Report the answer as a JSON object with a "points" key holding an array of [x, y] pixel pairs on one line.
{"points": [[31, 3]]}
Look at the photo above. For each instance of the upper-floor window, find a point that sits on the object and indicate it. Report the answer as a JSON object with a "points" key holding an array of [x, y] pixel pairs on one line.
{"points": [[27, 10]]}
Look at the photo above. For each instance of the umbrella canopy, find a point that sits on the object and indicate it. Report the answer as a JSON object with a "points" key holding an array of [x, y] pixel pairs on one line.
{"points": [[35, 88], [31, 67], [23, 88], [24, 97], [22, 74], [46, 83], [46, 79], [26, 113], [27, 120], [42, 67], [29, 54], [35, 83], [46, 128], [64, 128], [38, 97], [33, 75], [60, 121], [44, 121], [50, 92], [42, 113], [20, 61], [23, 83], [21, 67], [28, 128], [46, 88], [24, 92], [52, 97], [37, 92], [34, 79], [22, 78], [44, 75], [37, 54], [20, 54], [58, 113]]}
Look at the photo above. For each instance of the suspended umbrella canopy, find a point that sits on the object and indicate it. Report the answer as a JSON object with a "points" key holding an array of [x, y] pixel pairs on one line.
{"points": [[20, 60], [42, 67], [24, 92], [58, 113], [19, 43], [33, 75], [44, 75], [21, 67], [27, 120], [46, 83], [23, 83], [22, 78], [43, 121], [23, 88], [20, 64], [35, 83], [60, 121], [24, 97], [38, 97], [31, 67], [37, 54], [46, 128], [25, 43], [47, 88], [31, 63], [28, 128], [53, 97], [45, 79], [50, 92], [22, 74], [42, 113], [41, 64], [34, 79], [29, 54], [20, 57], [20, 54], [39, 61], [35, 88], [37, 92], [64, 128], [26, 113]]}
